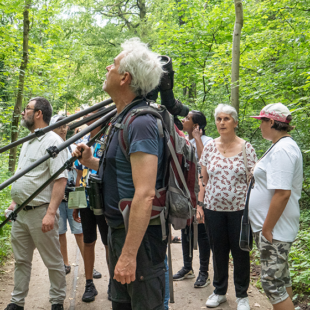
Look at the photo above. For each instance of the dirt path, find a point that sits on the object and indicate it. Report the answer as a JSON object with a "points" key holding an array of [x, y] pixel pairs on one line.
{"points": [[186, 296]]}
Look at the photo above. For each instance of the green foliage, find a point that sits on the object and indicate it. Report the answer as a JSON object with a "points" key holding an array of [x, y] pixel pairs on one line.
{"points": [[72, 42], [300, 256], [5, 200]]}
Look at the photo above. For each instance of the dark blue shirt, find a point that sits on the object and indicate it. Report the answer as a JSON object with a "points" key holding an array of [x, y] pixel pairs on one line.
{"points": [[143, 137]]}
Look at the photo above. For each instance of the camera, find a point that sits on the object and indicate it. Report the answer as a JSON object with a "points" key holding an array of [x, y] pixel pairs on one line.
{"points": [[174, 106], [94, 190]]}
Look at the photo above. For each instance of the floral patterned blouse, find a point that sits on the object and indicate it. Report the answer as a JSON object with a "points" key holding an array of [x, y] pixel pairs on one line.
{"points": [[226, 187]]}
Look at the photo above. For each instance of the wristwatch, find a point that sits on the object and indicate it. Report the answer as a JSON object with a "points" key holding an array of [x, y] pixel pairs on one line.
{"points": [[201, 204]]}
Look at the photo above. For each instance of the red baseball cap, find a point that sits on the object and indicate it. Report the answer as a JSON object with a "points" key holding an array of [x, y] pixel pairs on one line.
{"points": [[276, 111]]}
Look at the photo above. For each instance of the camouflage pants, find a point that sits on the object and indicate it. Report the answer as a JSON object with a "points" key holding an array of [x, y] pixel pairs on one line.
{"points": [[275, 273]]}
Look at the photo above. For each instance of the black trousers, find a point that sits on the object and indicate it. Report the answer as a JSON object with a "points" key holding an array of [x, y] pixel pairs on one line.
{"points": [[147, 292], [224, 230], [204, 248]]}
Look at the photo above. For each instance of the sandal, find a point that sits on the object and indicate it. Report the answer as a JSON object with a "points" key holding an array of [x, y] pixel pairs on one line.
{"points": [[67, 269], [176, 239]]}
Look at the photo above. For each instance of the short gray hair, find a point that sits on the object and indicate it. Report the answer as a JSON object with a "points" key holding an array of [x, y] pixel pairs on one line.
{"points": [[227, 109], [143, 65]]}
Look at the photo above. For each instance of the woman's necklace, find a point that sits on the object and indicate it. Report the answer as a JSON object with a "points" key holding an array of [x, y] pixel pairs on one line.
{"points": [[224, 150]]}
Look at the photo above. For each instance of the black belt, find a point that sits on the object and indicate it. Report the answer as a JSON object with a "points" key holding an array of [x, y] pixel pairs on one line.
{"points": [[27, 208]]}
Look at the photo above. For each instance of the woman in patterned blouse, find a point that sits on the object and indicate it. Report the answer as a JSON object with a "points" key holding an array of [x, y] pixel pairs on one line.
{"points": [[224, 176]]}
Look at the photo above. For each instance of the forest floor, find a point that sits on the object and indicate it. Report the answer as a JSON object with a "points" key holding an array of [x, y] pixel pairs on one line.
{"points": [[186, 296]]}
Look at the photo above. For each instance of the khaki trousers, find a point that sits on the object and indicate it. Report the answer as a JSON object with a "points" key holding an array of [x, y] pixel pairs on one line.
{"points": [[26, 235]]}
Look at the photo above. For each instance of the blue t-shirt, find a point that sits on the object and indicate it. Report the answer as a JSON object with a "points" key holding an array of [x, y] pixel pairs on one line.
{"points": [[143, 137]]}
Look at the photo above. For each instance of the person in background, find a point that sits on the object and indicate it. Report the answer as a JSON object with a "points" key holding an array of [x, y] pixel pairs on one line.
{"points": [[36, 226], [64, 212], [223, 168], [273, 207], [90, 221], [194, 124]]}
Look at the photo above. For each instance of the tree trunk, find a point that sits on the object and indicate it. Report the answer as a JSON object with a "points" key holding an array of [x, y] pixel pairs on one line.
{"points": [[142, 8], [20, 94], [236, 55]]}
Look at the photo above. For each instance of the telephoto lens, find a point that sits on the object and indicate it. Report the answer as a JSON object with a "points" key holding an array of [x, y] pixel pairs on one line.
{"points": [[174, 106], [95, 194]]}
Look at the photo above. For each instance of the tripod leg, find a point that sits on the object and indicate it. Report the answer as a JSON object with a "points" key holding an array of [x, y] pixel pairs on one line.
{"points": [[170, 267]]}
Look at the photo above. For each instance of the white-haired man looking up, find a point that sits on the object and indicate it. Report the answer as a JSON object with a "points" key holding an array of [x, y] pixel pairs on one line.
{"points": [[136, 258]]}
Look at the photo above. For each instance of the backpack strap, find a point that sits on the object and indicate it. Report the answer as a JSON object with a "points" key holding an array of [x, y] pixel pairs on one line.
{"points": [[178, 167], [130, 117]]}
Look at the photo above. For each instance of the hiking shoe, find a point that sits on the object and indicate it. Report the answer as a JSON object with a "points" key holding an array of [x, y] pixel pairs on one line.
{"points": [[67, 269], [215, 300], [202, 280], [13, 307], [90, 292], [57, 307], [243, 303], [96, 274], [183, 274], [109, 291]]}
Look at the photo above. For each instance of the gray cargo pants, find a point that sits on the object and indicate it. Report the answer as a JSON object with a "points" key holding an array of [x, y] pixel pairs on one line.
{"points": [[26, 235]]}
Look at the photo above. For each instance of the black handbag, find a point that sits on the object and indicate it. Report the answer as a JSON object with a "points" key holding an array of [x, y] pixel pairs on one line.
{"points": [[246, 236]]}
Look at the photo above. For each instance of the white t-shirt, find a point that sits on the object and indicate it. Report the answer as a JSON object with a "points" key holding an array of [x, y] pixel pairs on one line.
{"points": [[205, 140], [281, 168]]}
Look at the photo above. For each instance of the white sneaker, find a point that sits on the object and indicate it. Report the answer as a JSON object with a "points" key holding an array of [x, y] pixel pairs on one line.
{"points": [[215, 300], [243, 303]]}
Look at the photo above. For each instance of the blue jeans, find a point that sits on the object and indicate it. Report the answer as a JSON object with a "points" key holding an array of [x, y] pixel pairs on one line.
{"points": [[167, 291], [66, 215]]}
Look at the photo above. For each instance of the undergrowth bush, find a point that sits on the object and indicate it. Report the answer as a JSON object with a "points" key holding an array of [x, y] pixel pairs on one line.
{"points": [[5, 200]]}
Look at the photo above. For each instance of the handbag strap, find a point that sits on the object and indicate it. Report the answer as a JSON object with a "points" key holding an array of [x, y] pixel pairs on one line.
{"points": [[245, 161], [245, 218]]}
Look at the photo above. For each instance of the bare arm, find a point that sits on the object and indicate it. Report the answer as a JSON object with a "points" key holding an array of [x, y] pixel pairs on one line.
{"points": [[78, 178], [201, 194], [197, 133], [277, 206], [56, 198], [144, 172], [85, 156], [12, 205]]}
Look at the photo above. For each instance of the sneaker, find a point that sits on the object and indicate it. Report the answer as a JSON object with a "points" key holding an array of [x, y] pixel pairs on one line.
{"points": [[215, 300], [243, 303], [202, 280], [96, 274], [57, 307], [13, 307], [109, 291], [183, 274], [90, 292]]}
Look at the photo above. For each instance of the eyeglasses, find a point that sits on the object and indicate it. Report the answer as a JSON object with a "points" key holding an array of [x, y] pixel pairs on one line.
{"points": [[27, 109]]}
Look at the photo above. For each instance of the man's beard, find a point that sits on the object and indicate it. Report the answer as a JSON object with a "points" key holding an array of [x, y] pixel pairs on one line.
{"points": [[28, 123]]}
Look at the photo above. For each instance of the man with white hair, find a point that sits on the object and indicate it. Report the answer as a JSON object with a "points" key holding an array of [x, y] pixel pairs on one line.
{"points": [[137, 255]]}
